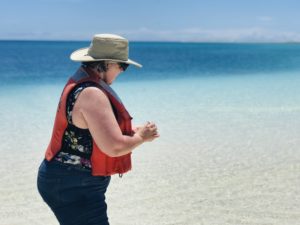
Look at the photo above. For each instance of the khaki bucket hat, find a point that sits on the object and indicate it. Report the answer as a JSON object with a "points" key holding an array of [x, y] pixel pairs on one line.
{"points": [[108, 47]]}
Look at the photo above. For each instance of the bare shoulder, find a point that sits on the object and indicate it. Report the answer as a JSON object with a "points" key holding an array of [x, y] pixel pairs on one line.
{"points": [[92, 91], [93, 94], [91, 97]]}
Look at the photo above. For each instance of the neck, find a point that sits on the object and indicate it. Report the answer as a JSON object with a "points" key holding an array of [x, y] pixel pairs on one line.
{"points": [[94, 73]]}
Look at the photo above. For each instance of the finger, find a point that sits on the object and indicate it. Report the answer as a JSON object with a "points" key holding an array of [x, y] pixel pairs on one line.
{"points": [[153, 129], [154, 132], [152, 125], [146, 124]]}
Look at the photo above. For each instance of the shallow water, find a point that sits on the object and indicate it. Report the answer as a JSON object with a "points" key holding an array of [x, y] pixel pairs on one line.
{"points": [[228, 152]]}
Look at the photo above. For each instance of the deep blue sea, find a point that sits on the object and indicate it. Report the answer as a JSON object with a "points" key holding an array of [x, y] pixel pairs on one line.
{"points": [[31, 61]]}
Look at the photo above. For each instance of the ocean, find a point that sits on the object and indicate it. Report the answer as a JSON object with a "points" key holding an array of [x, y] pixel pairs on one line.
{"points": [[228, 115]]}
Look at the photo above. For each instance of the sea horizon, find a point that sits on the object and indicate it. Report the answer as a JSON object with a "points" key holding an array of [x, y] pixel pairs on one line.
{"points": [[159, 41]]}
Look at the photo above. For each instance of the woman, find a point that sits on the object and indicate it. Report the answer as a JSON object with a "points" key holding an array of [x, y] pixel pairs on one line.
{"points": [[92, 137]]}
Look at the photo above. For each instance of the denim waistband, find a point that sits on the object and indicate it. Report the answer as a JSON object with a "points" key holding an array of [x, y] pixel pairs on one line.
{"points": [[60, 168]]}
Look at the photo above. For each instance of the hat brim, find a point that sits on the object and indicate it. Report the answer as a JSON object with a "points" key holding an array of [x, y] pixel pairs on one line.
{"points": [[81, 55]]}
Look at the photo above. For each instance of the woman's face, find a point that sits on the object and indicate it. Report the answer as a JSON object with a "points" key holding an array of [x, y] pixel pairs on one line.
{"points": [[113, 70]]}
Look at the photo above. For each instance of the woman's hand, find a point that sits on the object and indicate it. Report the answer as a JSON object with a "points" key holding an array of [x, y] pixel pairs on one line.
{"points": [[147, 132]]}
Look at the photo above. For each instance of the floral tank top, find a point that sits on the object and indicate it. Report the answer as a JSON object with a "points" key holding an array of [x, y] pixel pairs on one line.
{"points": [[77, 143]]}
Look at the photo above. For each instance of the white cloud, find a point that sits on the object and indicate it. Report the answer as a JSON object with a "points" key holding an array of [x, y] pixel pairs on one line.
{"points": [[265, 18], [252, 34]]}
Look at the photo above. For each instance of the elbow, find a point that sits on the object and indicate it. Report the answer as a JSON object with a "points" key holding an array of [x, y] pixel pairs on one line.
{"points": [[114, 147], [116, 153], [113, 153], [116, 150]]}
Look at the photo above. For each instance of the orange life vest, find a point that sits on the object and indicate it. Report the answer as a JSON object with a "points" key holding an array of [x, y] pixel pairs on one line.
{"points": [[102, 164]]}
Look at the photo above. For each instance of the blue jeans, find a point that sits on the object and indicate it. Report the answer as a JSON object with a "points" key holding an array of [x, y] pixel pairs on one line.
{"points": [[73, 194]]}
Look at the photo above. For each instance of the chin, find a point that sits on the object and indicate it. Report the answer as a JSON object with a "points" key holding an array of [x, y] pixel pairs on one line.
{"points": [[110, 82]]}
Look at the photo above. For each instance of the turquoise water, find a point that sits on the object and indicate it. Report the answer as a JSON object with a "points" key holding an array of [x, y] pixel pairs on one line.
{"points": [[260, 75], [32, 61], [228, 115]]}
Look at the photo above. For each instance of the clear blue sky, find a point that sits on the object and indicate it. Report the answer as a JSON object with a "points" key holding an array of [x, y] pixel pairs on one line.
{"points": [[152, 20]]}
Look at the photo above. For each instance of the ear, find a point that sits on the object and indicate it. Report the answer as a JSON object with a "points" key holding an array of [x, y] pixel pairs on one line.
{"points": [[107, 65]]}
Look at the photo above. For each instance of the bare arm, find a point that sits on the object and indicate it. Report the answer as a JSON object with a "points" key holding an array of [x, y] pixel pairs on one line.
{"points": [[96, 112]]}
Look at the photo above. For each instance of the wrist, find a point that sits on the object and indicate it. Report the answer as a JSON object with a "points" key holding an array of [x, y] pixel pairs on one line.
{"points": [[138, 138]]}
